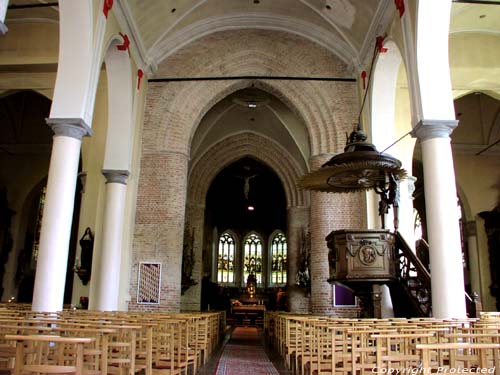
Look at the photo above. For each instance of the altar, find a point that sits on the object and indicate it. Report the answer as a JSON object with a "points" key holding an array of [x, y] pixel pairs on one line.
{"points": [[248, 315]]}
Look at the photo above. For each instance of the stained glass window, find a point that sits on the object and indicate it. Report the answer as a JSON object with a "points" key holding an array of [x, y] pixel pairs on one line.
{"points": [[253, 258], [225, 259], [278, 259]]}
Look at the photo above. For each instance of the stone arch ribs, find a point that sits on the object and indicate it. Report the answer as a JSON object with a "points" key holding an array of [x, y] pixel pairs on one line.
{"points": [[328, 109], [227, 151], [174, 127], [335, 42]]}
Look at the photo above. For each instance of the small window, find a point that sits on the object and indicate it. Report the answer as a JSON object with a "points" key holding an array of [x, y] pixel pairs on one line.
{"points": [[225, 259], [252, 261], [278, 259]]}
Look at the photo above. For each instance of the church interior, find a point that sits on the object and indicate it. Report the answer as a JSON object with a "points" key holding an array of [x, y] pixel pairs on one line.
{"points": [[321, 177]]}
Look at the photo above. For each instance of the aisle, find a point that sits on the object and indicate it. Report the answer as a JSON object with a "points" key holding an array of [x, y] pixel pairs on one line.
{"points": [[244, 354]]}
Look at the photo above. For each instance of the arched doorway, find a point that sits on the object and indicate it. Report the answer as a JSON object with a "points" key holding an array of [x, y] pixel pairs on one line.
{"points": [[246, 208], [24, 160]]}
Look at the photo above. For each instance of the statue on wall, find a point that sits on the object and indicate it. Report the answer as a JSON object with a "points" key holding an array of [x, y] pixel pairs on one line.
{"points": [[492, 228], [84, 268], [303, 277], [188, 259]]}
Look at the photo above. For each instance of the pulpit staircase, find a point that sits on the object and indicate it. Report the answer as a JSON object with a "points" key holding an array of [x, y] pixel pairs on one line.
{"points": [[411, 291], [363, 260]]}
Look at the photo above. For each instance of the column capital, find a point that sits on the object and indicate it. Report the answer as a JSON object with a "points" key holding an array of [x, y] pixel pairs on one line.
{"points": [[116, 176], [69, 127], [427, 129]]}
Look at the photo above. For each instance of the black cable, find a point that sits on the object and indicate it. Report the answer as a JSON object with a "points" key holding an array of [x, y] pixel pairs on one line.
{"points": [[393, 143], [367, 85], [488, 147], [182, 79]]}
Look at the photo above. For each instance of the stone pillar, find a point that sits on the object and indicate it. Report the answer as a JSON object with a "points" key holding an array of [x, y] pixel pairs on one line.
{"points": [[50, 279], [112, 233], [445, 250], [297, 227], [329, 211], [159, 224]]}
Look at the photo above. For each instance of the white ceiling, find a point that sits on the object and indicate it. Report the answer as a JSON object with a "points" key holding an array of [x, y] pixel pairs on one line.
{"points": [[345, 27]]}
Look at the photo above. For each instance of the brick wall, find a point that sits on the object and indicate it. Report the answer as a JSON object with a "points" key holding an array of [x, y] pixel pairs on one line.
{"points": [[329, 211], [172, 113], [159, 226]]}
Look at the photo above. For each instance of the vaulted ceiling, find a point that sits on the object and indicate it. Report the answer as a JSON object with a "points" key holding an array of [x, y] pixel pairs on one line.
{"points": [[346, 27]]}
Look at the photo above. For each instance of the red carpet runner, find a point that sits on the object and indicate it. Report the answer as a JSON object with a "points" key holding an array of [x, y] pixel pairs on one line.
{"points": [[244, 354]]}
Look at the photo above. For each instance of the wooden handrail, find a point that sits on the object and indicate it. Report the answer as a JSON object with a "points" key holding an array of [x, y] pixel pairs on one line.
{"points": [[411, 268], [407, 252]]}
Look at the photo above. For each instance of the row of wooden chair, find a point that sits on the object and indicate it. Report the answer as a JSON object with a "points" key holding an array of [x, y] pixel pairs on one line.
{"points": [[323, 345], [91, 343]]}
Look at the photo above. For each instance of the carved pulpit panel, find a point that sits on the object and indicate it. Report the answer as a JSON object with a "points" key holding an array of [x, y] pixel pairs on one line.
{"points": [[361, 255]]}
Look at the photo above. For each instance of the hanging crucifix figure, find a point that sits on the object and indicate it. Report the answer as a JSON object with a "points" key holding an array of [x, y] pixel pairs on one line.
{"points": [[246, 185]]}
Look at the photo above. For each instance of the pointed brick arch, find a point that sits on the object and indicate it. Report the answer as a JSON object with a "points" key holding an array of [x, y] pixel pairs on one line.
{"points": [[328, 109], [235, 147]]}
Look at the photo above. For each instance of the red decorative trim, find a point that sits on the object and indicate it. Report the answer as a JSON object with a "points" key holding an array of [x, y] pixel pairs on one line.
{"points": [[380, 44], [363, 77], [108, 4], [400, 5], [126, 43], [140, 74]]}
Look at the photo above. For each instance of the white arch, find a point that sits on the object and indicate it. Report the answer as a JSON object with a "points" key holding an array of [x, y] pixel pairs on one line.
{"points": [[118, 154], [432, 59], [75, 60], [384, 95], [389, 126]]}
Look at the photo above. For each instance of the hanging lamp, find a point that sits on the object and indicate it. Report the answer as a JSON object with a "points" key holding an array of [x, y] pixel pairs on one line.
{"points": [[359, 168]]}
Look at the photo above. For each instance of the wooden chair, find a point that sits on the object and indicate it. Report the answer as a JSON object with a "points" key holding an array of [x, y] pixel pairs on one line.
{"points": [[49, 354], [397, 351], [460, 356]]}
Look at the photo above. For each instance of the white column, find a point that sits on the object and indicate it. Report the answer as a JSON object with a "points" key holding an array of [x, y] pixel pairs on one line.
{"points": [[386, 302], [406, 217], [108, 289], [3, 12], [445, 250], [50, 279]]}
